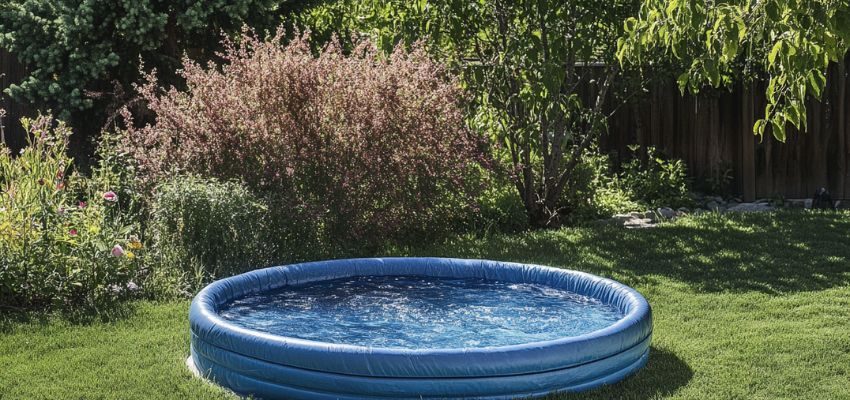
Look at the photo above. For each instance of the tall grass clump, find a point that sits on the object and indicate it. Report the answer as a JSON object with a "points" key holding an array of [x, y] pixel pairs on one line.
{"points": [[204, 229], [360, 146]]}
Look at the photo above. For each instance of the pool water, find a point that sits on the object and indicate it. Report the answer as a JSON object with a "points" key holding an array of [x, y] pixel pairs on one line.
{"points": [[420, 312]]}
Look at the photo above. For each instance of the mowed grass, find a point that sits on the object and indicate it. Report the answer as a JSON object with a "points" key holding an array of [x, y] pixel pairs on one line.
{"points": [[752, 306]]}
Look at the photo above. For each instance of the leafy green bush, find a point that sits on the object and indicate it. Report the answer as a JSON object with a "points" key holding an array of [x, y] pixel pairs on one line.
{"points": [[654, 180], [499, 207], [204, 228], [613, 199], [645, 181], [63, 243], [597, 191]]}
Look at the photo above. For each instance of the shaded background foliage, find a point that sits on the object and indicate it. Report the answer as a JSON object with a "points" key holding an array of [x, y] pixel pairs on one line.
{"points": [[83, 55], [525, 65]]}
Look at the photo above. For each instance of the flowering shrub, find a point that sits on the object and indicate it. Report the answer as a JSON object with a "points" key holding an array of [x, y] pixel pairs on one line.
{"points": [[362, 146], [62, 244]]}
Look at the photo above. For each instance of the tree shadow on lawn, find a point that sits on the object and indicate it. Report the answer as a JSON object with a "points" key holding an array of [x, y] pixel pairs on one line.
{"points": [[774, 253], [662, 376], [12, 318]]}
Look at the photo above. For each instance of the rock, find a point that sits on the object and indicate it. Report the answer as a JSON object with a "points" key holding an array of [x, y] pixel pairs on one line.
{"points": [[761, 201], [621, 218], [842, 205], [751, 207], [715, 206], [639, 223], [798, 203], [683, 210], [666, 213], [632, 220]]}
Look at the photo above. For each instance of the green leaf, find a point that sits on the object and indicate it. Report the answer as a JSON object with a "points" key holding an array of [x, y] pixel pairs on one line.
{"points": [[793, 115], [671, 7], [683, 81], [777, 47], [730, 50], [621, 50], [758, 127], [817, 81], [711, 70], [630, 24], [772, 10], [778, 129]]}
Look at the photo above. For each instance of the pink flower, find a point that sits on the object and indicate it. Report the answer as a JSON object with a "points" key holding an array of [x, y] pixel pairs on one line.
{"points": [[110, 196], [82, 204], [73, 232], [117, 251], [60, 186]]}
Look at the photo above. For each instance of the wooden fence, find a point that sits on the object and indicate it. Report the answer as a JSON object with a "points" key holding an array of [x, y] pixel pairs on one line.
{"points": [[713, 134]]}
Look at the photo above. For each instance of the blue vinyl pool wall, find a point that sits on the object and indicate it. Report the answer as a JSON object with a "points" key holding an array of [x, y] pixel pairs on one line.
{"points": [[270, 366]]}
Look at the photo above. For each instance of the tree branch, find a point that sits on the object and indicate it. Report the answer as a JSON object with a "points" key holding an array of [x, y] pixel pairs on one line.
{"points": [[601, 96]]}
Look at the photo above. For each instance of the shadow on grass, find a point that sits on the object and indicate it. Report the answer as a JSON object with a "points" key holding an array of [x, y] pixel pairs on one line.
{"points": [[12, 318], [783, 252], [662, 376]]}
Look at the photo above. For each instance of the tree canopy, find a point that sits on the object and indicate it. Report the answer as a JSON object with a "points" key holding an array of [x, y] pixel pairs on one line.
{"points": [[789, 43], [541, 74]]}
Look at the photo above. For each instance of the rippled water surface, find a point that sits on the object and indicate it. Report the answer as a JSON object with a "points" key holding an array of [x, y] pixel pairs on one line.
{"points": [[421, 312]]}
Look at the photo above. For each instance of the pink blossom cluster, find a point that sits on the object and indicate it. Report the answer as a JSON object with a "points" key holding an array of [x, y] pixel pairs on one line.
{"points": [[363, 144]]}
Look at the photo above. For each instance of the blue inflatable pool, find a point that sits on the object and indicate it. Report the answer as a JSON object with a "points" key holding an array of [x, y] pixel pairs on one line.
{"points": [[255, 357]]}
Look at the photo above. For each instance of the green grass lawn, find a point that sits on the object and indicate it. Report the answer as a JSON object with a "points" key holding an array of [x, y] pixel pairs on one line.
{"points": [[745, 306]]}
